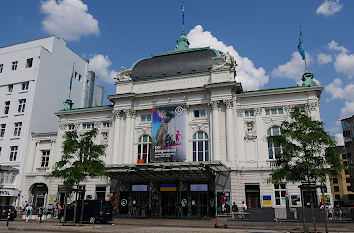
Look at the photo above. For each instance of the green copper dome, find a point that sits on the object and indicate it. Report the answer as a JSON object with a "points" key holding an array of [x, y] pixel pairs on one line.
{"points": [[182, 43]]}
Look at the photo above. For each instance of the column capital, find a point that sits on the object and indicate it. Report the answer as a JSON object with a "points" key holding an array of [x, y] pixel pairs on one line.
{"points": [[214, 104], [130, 113], [117, 114], [228, 103]]}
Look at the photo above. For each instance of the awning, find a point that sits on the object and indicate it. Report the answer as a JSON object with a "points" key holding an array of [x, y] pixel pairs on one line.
{"points": [[186, 171]]}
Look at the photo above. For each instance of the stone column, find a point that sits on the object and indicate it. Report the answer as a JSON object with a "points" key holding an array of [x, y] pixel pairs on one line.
{"points": [[229, 131], [131, 144], [116, 157], [215, 137], [127, 147]]}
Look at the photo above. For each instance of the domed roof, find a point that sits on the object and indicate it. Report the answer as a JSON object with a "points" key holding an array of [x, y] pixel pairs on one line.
{"points": [[177, 62]]}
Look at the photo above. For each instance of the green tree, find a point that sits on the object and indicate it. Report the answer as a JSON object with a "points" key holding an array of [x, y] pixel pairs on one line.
{"points": [[307, 153], [81, 159]]}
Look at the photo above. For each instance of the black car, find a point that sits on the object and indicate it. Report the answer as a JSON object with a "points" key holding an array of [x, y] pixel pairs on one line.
{"points": [[94, 211], [5, 209]]}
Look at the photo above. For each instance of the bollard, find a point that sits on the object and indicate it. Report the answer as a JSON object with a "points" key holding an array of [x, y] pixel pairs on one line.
{"points": [[8, 218]]}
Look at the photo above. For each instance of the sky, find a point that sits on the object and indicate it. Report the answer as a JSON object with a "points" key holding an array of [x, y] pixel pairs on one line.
{"points": [[261, 35]]}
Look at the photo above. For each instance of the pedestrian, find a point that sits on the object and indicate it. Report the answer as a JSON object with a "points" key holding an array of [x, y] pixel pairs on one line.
{"points": [[39, 214], [234, 210], [179, 210], [28, 212], [330, 212], [244, 206]]}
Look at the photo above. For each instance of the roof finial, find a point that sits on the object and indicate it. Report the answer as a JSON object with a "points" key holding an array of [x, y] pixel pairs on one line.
{"points": [[182, 42], [182, 12]]}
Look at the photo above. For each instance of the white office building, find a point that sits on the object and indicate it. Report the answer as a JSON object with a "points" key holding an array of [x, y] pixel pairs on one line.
{"points": [[181, 133], [34, 82]]}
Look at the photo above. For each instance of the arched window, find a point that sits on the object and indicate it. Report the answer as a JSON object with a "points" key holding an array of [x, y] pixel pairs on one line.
{"points": [[144, 149], [273, 149], [200, 146]]}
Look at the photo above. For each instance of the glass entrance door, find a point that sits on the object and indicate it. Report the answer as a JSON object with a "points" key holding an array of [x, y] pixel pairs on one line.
{"points": [[168, 204], [199, 204]]}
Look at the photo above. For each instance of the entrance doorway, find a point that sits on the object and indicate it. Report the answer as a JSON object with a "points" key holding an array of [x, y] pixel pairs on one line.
{"points": [[252, 195], [168, 204], [38, 194], [199, 204], [139, 204]]}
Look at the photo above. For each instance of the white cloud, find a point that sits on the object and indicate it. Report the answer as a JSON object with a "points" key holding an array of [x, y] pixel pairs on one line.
{"points": [[323, 58], [335, 47], [344, 61], [339, 139], [336, 90], [100, 65], [348, 109], [293, 69], [329, 7], [251, 77], [68, 19]]}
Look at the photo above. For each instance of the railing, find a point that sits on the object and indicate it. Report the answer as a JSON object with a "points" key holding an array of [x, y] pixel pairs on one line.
{"points": [[271, 163]]}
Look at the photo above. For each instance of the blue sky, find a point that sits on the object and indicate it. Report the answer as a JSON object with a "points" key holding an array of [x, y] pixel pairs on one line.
{"points": [[261, 35]]}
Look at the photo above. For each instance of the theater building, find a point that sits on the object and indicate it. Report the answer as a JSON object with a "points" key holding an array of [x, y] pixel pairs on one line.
{"points": [[185, 139]]}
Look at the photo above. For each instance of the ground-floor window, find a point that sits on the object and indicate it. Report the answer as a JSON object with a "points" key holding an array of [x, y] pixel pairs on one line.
{"points": [[280, 191]]}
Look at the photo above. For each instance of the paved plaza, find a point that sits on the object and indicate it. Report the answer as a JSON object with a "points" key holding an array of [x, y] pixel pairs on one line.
{"points": [[162, 225]]}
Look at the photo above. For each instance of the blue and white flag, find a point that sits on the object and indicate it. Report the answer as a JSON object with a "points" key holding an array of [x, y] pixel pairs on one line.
{"points": [[300, 46], [71, 78], [182, 12]]}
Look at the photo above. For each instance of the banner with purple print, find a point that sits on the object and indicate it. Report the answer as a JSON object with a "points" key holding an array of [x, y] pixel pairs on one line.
{"points": [[169, 133]]}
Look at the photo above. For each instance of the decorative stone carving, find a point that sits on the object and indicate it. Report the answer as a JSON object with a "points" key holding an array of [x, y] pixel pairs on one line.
{"points": [[258, 111], [131, 113], [104, 137], [124, 74], [63, 126], [77, 126], [98, 124], [142, 131], [250, 130], [117, 114], [197, 127], [288, 108], [228, 103], [214, 104], [239, 112], [226, 61], [313, 106]]}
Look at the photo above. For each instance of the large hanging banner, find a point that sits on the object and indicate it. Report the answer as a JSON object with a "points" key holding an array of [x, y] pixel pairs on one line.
{"points": [[169, 134]]}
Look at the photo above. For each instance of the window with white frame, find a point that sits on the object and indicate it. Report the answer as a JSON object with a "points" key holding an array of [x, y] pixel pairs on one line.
{"points": [[21, 105], [273, 148], [17, 129], [25, 86], [14, 65], [45, 158], [200, 146], [144, 149], [249, 113], [280, 191], [29, 62], [145, 117], [2, 130], [200, 113], [13, 153], [71, 126], [10, 87], [106, 124], [7, 107], [274, 111], [87, 125], [1, 67], [0, 150]]}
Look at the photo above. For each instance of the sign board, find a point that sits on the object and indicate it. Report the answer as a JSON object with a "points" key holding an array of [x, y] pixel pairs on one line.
{"points": [[327, 199], [295, 201], [198, 187], [223, 202], [139, 188], [169, 133], [267, 200], [168, 187]]}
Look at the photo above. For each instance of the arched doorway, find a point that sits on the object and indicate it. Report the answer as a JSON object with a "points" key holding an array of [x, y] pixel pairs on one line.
{"points": [[38, 194]]}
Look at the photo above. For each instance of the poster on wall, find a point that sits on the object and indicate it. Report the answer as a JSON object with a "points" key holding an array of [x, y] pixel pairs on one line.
{"points": [[169, 133], [267, 200], [223, 203], [327, 199], [295, 201]]}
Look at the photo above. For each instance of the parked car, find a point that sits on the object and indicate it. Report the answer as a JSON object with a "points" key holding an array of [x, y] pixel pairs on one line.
{"points": [[94, 211], [4, 210]]}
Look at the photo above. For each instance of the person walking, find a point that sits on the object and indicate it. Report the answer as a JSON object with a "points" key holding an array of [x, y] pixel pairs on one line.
{"points": [[234, 210], [28, 212], [39, 214]]}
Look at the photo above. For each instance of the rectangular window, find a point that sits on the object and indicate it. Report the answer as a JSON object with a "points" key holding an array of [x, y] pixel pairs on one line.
{"points": [[336, 188], [106, 124], [1, 67], [344, 156], [280, 191], [10, 88], [71, 127], [337, 197], [29, 62], [7, 107], [45, 158], [200, 113], [21, 105], [13, 153], [17, 130], [346, 171], [79, 77], [145, 117], [25, 86], [14, 65], [349, 188], [274, 111], [348, 180], [75, 74], [2, 130], [87, 126], [249, 113], [302, 108], [335, 181]]}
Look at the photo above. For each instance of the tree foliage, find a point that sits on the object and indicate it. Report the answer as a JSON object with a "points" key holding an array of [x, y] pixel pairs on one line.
{"points": [[307, 152], [81, 159]]}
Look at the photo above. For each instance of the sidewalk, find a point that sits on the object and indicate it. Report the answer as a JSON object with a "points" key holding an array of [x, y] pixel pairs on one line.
{"points": [[143, 225]]}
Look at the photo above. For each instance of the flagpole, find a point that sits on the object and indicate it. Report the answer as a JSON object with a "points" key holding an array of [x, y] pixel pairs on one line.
{"points": [[71, 80], [303, 47], [182, 10]]}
